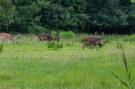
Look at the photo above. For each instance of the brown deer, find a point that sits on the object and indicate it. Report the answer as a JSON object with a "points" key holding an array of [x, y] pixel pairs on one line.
{"points": [[46, 37], [93, 41], [8, 37]]}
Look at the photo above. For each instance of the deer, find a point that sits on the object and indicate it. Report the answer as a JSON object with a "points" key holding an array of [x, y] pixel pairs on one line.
{"points": [[8, 37], [47, 37], [44, 37], [93, 41]]}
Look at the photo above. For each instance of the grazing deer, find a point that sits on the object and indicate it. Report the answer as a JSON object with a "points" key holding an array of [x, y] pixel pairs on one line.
{"points": [[8, 37], [46, 37], [93, 41]]}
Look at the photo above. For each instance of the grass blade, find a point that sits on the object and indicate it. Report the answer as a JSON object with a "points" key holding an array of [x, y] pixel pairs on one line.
{"points": [[123, 82], [125, 61]]}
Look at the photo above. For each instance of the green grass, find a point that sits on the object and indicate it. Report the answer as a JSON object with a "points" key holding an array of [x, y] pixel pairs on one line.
{"points": [[31, 65], [132, 0]]}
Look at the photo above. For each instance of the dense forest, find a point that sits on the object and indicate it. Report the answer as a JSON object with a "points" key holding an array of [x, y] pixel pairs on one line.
{"points": [[36, 16]]}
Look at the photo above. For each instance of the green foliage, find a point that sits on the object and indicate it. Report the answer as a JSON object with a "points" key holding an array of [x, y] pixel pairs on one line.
{"points": [[7, 12], [35, 29], [79, 15], [63, 13], [129, 83], [53, 33], [63, 35], [71, 34], [67, 35], [26, 14], [55, 45]]}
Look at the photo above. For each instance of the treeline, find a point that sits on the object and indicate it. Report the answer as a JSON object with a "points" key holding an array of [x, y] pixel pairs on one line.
{"points": [[36, 16]]}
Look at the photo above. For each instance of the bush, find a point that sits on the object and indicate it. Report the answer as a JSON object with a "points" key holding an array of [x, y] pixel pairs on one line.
{"points": [[67, 35], [53, 33], [71, 34], [55, 45], [63, 35]]}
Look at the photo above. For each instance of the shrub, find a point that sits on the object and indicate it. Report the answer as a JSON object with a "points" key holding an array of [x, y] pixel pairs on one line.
{"points": [[55, 45], [71, 34], [67, 35], [53, 33], [63, 35]]}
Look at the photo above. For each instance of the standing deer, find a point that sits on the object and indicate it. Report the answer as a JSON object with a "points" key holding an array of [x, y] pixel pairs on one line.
{"points": [[46, 37], [6, 37], [93, 41]]}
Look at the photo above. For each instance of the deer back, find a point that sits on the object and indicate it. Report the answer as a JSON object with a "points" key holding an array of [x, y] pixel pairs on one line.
{"points": [[6, 37], [44, 37]]}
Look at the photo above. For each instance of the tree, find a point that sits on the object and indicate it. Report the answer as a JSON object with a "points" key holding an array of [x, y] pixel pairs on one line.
{"points": [[76, 15], [64, 14], [7, 11], [26, 14]]}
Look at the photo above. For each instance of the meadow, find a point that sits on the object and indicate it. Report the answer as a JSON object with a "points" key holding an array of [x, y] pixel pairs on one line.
{"points": [[31, 65]]}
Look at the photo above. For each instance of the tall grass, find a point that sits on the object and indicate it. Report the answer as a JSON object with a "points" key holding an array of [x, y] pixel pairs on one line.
{"points": [[32, 65], [1, 47], [129, 83]]}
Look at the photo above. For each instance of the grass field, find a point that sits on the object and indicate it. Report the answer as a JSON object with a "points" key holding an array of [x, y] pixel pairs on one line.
{"points": [[31, 65]]}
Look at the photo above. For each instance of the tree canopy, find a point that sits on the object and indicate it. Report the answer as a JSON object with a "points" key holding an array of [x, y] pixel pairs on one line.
{"points": [[32, 16]]}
